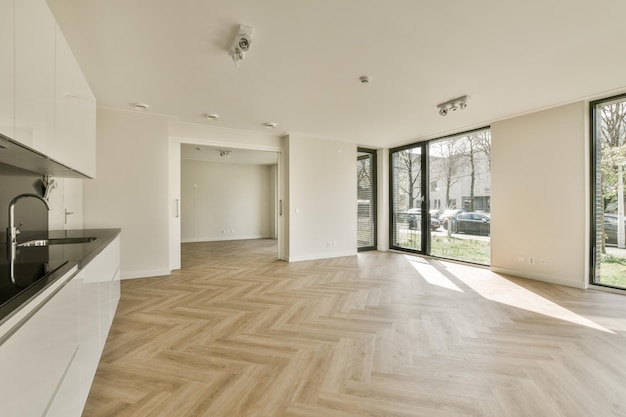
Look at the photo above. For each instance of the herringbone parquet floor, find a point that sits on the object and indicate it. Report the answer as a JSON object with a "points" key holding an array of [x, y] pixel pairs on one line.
{"points": [[238, 333]]}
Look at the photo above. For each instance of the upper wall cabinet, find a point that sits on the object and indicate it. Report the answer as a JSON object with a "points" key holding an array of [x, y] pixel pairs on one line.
{"points": [[75, 115], [34, 74], [46, 104], [7, 116]]}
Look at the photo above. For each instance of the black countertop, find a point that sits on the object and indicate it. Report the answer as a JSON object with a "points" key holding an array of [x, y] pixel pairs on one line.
{"points": [[36, 268]]}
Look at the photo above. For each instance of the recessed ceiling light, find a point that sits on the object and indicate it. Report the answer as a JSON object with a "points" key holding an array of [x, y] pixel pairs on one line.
{"points": [[211, 116], [365, 79], [140, 106], [270, 125], [198, 148]]}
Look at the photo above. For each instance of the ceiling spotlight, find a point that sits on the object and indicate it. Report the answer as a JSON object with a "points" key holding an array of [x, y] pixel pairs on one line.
{"points": [[140, 106], [365, 79], [211, 117], [452, 105], [226, 154], [270, 125], [241, 44]]}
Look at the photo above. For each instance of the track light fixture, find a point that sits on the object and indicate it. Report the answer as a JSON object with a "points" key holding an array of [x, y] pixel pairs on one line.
{"points": [[241, 44], [226, 154], [453, 105]]}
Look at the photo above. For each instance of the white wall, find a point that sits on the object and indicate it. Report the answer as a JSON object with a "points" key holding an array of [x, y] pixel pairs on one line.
{"points": [[539, 201], [131, 189], [232, 138], [322, 198], [222, 201]]}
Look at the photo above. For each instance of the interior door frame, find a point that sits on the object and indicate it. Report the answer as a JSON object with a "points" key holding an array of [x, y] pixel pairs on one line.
{"points": [[174, 192]]}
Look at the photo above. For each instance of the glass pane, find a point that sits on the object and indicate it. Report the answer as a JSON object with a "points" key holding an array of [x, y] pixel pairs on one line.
{"points": [[610, 162], [406, 198], [460, 197], [365, 170]]}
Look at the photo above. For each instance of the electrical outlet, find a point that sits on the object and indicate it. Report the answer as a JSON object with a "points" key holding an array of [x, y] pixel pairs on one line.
{"points": [[531, 260]]}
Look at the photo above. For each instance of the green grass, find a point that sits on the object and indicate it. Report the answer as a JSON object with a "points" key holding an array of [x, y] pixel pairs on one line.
{"points": [[467, 250], [613, 271]]}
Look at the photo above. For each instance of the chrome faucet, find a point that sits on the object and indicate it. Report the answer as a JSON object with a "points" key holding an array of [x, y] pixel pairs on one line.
{"points": [[13, 231]]}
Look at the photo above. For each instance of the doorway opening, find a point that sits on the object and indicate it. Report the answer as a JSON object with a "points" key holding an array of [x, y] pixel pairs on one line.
{"points": [[223, 194]]}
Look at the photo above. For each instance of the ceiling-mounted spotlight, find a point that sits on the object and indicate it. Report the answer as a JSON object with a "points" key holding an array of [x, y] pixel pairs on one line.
{"points": [[140, 106], [241, 44], [226, 154], [453, 105], [211, 117], [270, 125]]}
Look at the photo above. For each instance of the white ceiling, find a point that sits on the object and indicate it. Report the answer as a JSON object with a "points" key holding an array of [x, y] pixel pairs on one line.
{"points": [[303, 69]]}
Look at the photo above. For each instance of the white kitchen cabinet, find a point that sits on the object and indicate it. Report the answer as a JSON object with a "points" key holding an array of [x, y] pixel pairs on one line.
{"points": [[36, 360], [74, 142], [99, 296], [7, 105], [34, 74]]}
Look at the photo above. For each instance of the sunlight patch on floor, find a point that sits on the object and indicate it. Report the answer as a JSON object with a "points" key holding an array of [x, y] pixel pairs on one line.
{"points": [[431, 274], [496, 288]]}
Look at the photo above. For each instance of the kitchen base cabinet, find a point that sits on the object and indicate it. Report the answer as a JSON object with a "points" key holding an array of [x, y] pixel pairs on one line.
{"points": [[67, 399], [99, 295], [36, 358], [50, 348]]}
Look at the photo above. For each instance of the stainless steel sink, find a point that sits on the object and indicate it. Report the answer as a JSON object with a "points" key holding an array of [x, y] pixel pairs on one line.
{"points": [[58, 241]]}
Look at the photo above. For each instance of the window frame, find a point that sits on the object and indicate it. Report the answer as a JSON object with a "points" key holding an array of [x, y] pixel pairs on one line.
{"points": [[425, 188]]}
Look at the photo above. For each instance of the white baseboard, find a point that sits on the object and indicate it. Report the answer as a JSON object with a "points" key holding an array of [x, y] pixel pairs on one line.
{"points": [[317, 256], [221, 238], [145, 274], [538, 277]]}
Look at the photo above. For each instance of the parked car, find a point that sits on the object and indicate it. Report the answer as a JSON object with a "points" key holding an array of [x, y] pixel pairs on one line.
{"points": [[610, 228], [435, 213], [443, 217], [415, 219], [472, 223]]}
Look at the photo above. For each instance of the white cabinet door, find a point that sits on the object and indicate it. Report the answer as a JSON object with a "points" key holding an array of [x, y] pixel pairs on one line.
{"points": [[37, 356], [75, 113], [7, 95], [67, 399], [34, 74], [99, 294]]}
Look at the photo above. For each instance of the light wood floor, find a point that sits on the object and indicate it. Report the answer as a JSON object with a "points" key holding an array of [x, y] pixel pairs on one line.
{"points": [[238, 333]]}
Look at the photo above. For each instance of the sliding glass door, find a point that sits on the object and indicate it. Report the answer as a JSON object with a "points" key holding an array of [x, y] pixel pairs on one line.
{"points": [[608, 166], [407, 198]]}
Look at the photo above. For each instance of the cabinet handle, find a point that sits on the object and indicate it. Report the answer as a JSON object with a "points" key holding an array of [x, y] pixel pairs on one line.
{"points": [[177, 208]]}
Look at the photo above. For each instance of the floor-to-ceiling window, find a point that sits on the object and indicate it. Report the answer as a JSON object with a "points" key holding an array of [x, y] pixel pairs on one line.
{"points": [[608, 167], [443, 187], [460, 196], [366, 199]]}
